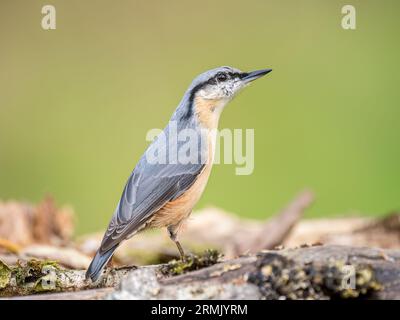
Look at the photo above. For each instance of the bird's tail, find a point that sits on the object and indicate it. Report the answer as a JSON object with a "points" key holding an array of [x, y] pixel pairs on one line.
{"points": [[98, 263]]}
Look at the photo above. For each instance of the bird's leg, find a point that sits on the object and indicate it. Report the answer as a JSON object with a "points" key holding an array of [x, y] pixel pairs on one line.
{"points": [[182, 253], [173, 233]]}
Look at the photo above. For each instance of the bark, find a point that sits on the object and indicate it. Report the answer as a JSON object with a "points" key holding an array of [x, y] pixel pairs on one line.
{"points": [[35, 277], [318, 272]]}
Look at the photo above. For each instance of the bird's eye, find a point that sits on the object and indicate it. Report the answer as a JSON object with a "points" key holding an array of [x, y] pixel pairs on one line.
{"points": [[221, 77]]}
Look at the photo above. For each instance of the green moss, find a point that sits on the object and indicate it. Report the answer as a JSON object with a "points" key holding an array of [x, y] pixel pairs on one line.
{"points": [[191, 263], [33, 270], [281, 278], [141, 256], [5, 275], [33, 276]]}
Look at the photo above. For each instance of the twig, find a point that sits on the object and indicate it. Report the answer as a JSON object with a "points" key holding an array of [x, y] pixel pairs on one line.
{"points": [[278, 228]]}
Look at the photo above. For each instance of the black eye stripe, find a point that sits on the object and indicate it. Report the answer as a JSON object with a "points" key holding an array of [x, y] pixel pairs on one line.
{"points": [[221, 77], [211, 81], [237, 75]]}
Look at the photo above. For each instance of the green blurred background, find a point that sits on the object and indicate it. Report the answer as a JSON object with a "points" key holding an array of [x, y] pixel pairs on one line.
{"points": [[76, 102]]}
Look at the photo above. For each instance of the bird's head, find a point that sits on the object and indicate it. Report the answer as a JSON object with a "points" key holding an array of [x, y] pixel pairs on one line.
{"points": [[213, 89], [223, 83]]}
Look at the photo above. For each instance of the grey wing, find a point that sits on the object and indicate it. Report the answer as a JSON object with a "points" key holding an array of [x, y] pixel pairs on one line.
{"points": [[147, 190]]}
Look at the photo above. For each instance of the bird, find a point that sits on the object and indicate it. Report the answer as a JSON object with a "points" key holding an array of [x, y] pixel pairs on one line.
{"points": [[163, 194]]}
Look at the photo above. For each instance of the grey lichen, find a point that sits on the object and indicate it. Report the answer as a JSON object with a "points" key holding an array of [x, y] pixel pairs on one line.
{"points": [[145, 284], [140, 284], [280, 278]]}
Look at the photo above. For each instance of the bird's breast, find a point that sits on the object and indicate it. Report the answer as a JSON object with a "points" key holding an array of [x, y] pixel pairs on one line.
{"points": [[179, 209], [208, 111]]}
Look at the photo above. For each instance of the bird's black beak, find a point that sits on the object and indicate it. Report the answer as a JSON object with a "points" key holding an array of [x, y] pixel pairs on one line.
{"points": [[253, 75]]}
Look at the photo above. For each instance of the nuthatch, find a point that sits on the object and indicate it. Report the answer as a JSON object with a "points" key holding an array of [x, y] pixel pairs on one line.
{"points": [[164, 194]]}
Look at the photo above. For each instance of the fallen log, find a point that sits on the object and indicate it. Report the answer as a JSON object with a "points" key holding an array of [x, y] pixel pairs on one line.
{"points": [[318, 272], [39, 276]]}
